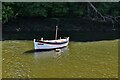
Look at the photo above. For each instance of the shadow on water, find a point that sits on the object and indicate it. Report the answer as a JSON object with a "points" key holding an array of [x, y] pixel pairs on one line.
{"points": [[35, 51], [47, 54], [45, 51], [29, 51], [51, 54]]}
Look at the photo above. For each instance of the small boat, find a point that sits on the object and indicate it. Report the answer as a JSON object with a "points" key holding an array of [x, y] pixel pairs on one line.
{"points": [[40, 44]]}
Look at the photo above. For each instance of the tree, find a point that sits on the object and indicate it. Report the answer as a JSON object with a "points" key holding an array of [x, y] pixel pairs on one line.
{"points": [[7, 12], [101, 10]]}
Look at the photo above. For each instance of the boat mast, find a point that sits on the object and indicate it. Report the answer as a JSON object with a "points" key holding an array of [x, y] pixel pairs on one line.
{"points": [[56, 33]]}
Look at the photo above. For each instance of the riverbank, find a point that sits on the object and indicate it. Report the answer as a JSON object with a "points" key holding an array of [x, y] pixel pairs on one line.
{"points": [[78, 29], [82, 24]]}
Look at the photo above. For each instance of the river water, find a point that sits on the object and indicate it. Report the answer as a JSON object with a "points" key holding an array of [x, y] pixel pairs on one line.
{"points": [[98, 59]]}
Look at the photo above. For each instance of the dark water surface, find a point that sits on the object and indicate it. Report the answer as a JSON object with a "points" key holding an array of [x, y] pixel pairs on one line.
{"points": [[79, 60], [74, 35]]}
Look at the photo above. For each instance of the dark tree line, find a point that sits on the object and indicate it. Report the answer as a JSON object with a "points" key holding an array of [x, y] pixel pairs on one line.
{"points": [[11, 10]]}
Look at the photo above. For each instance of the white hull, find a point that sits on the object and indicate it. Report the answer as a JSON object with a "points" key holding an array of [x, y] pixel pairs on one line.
{"points": [[50, 44]]}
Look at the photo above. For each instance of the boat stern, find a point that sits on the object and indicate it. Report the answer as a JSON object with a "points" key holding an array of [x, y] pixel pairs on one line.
{"points": [[35, 44]]}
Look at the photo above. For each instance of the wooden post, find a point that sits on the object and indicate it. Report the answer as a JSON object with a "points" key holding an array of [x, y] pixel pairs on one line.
{"points": [[56, 33]]}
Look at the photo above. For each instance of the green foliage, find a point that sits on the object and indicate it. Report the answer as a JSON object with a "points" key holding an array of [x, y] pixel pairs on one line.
{"points": [[0, 11], [54, 9], [35, 10], [79, 9], [7, 12], [59, 9], [109, 8], [115, 9]]}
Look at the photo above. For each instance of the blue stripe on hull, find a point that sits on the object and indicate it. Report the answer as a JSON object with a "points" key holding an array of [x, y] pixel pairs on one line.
{"points": [[49, 49]]}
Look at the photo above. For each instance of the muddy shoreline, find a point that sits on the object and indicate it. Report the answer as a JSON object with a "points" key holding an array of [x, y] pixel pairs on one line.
{"points": [[65, 24]]}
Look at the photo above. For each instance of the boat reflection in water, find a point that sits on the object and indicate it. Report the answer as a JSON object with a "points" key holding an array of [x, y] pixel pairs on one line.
{"points": [[47, 55]]}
